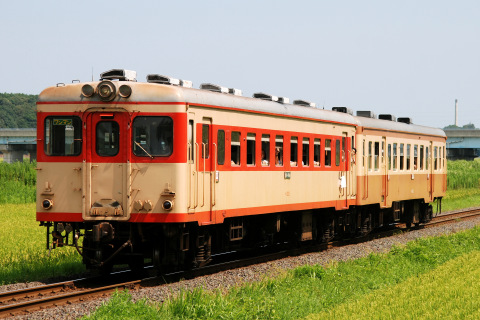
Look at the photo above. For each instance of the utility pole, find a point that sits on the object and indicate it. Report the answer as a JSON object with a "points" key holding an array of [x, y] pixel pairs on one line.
{"points": [[456, 112]]}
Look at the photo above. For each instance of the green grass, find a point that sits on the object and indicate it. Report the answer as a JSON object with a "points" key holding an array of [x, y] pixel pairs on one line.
{"points": [[17, 182], [463, 174], [434, 295], [23, 248], [460, 199], [309, 289]]}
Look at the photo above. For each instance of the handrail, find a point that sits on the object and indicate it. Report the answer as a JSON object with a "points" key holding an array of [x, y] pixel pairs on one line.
{"points": [[189, 153], [196, 175], [214, 180], [203, 176]]}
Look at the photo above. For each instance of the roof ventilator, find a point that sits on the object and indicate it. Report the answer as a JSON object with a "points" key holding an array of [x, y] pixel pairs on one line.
{"points": [[158, 78], [119, 74], [405, 120], [343, 110], [264, 96], [304, 103], [389, 117], [214, 88], [366, 114], [236, 92], [283, 100]]}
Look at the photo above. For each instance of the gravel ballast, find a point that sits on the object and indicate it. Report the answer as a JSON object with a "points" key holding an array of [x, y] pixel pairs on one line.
{"points": [[226, 279]]}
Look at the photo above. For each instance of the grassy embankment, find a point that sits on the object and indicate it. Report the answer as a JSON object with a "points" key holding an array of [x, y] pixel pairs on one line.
{"points": [[430, 269]]}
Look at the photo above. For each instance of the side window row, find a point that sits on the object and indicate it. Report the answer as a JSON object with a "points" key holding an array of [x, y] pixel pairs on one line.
{"points": [[400, 155], [278, 156]]}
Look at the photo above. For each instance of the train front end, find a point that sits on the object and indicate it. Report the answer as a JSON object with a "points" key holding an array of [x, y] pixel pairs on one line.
{"points": [[111, 167]]}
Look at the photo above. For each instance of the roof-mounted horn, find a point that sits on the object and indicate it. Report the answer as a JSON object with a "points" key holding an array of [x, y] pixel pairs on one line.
{"points": [[119, 74]]}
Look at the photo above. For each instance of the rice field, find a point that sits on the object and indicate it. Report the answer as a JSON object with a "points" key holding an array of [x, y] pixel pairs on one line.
{"points": [[23, 248], [17, 182]]}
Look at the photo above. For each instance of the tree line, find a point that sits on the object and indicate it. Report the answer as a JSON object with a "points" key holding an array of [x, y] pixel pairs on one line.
{"points": [[17, 110]]}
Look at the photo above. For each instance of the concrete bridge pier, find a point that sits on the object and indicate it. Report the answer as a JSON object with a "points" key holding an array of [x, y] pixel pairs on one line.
{"points": [[12, 153]]}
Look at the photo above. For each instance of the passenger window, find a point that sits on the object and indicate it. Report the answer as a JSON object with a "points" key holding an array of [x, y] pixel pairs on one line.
{"points": [[205, 141], [364, 150], [316, 152], [408, 156], [107, 138], [63, 136], [370, 151], [191, 144], [415, 157], [221, 147], [395, 158], [337, 152], [389, 156], [435, 158], [344, 149], [293, 151], [235, 148], [427, 157], [306, 152], [421, 157], [265, 149], [251, 149], [328, 153], [279, 150], [402, 157], [377, 155], [152, 136]]}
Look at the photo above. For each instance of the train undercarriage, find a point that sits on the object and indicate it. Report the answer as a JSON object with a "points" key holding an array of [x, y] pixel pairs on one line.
{"points": [[172, 247]]}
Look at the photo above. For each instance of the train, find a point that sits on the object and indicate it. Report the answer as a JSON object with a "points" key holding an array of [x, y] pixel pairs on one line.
{"points": [[160, 172]]}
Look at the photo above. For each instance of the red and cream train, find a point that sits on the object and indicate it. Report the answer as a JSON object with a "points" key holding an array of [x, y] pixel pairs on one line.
{"points": [[162, 171]]}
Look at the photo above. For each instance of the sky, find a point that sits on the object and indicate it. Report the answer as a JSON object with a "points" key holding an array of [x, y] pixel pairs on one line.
{"points": [[406, 58]]}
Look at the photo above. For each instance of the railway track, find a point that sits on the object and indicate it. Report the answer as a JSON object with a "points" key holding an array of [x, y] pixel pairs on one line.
{"points": [[25, 301]]}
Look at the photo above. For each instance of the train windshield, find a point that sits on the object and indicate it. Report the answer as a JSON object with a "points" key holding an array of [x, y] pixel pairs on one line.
{"points": [[152, 136], [63, 136]]}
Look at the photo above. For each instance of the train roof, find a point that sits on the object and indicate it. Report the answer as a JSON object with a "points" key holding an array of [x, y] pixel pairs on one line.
{"points": [[378, 124], [156, 92]]}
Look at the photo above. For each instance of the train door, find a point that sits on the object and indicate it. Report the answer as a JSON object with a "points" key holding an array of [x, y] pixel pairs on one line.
{"points": [[192, 154], [384, 170], [430, 175], [205, 164], [341, 155], [105, 187]]}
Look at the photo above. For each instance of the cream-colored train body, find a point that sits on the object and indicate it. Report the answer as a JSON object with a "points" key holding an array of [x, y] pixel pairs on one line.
{"points": [[168, 173]]}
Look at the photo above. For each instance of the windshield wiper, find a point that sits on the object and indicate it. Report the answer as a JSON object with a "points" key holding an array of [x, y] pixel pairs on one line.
{"points": [[138, 144]]}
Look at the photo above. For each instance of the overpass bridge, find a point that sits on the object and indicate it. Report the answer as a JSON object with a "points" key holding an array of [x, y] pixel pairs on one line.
{"points": [[14, 143], [463, 143]]}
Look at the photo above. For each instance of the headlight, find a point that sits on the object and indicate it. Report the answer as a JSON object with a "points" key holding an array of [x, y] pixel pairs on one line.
{"points": [[106, 90], [47, 204], [87, 90], [167, 205], [125, 91]]}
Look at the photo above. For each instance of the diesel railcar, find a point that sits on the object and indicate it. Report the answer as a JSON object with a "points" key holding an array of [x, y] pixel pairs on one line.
{"points": [[158, 171]]}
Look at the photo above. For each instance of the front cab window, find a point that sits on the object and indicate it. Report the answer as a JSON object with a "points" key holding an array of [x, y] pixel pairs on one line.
{"points": [[152, 136], [63, 136]]}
